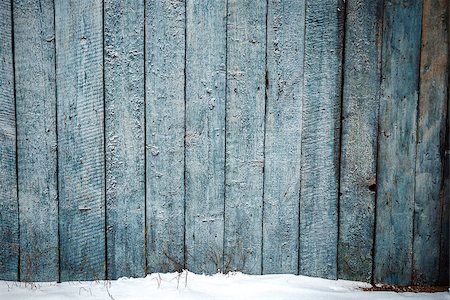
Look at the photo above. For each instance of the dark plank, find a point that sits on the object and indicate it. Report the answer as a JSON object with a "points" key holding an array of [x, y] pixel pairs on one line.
{"points": [[285, 38], [34, 43], [320, 138], [359, 138], [165, 60], [245, 109], [9, 224], [124, 141], [397, 142], [79, 77], [430, 144], [205, 134]]}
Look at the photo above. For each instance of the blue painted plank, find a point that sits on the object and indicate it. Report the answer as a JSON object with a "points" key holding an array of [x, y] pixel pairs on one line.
{"points": [[285, 41], [205, 134], [320, 138], [124, 138], [397, 142], [431, 128], [34, 43], [81, 179], [165, 116], [245, 109], [360, 105], [9, 224]]}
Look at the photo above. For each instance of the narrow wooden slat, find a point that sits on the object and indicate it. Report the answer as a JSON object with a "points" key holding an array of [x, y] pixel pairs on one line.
{"points": [[79, 78], [320, 138], [9, 225], [359, 138], [430, 144], [285, 41], [124, 130], [34, 43], [397, 142], [165, 60], [246, 44], [205, 134]]}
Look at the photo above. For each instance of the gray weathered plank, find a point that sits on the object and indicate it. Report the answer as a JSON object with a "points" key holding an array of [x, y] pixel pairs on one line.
{"points": [[124, 138], [34, 43], [320, 138], [285, 41], [205, 134], [359, 138], [81, 179], [397, 142], [9, 224], [245, 109], [430, 144], [165, 62]]}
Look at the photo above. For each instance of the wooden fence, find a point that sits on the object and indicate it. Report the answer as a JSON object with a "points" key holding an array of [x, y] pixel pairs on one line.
{"points": [[294, 136]]}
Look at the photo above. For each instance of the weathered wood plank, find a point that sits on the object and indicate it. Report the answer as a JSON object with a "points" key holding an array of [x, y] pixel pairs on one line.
{"points": [[245, 109], [9, 224], [79, 77], [124, 131], [34, 43], [430, 144], [320, 138], [285, 41], [205, 134], [359, 138], [397, 142], [165, 61]]}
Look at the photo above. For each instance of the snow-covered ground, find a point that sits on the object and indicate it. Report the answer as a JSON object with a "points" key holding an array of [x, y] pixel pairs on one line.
{"points": [[189, 286]]}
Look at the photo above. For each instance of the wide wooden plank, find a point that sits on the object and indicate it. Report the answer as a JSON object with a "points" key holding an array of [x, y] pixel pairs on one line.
{"points": [[9, 222], [359, 138], [285, 40], [165, 116], [431, 143], [205, 134], [320, 138], [124, 138], [34, 43], [79, 77], [245, 109], [397, 142]]}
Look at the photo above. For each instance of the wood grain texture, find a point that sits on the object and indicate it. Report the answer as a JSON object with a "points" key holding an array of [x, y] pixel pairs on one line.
{"points": [[34, 45], [205, 134], [397, 142], [320, 138], [124, 130], [245, 109], [9, 224], [431, 143], [359, 138], [165, 82], [79, 77], [285, 41]]}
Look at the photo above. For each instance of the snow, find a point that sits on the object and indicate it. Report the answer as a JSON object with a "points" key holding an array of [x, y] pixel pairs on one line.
{"points": [[189, 286]]}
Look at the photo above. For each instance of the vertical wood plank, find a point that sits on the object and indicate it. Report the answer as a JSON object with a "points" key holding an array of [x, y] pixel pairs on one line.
{"points": [[285, 45], [245, 109], [79, 77], [320, 138], [444, 256], [165, 61], [431, 143], [9, 225], [124, 131], [205, 134], [359, 138], [397, 141], [34, 45]]}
